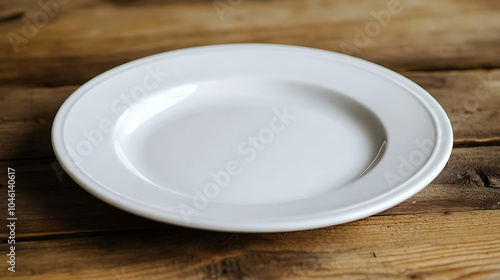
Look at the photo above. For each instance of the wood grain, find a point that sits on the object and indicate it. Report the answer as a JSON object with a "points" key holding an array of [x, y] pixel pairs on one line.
{"points": [[71, 49], [26, 116], [470, 98], [458, 245], [470, 181], [51, 204]]}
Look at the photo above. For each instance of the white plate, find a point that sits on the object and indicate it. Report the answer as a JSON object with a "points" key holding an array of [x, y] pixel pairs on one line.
{"points": [[252, 138]]}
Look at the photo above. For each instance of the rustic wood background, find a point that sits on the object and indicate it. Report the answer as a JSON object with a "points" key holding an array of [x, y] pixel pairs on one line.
{"points": [[450, 230]]}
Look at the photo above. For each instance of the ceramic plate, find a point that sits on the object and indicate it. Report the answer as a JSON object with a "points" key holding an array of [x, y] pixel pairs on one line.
{"points": [[252, 138]]}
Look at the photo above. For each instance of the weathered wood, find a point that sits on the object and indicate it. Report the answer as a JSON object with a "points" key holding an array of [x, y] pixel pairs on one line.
{"points": [[471, 99], [71, 49], [50, 203], [458, 245], [470, 181], [26, 116]]}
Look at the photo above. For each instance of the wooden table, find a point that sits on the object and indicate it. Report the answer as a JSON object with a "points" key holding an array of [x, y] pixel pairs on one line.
{"points": [[450, 230]]}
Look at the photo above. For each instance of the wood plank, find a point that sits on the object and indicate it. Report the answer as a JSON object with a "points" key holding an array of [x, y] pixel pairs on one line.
{"points": [[70, 49], [471, 99], [50, 203], [463, 245]]}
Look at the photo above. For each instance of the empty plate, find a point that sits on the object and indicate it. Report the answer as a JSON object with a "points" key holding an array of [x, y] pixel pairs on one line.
{"points": [[252, 138]]}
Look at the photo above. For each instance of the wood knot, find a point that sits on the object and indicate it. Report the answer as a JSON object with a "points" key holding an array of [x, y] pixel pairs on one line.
{"points": [[480, 176]]}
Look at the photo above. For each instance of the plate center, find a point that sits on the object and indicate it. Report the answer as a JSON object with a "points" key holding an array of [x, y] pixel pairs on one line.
{"points": [[244, 141]]}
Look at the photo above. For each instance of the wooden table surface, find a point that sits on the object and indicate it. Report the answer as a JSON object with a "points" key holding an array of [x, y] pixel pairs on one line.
{"points": [[450, 230]]}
